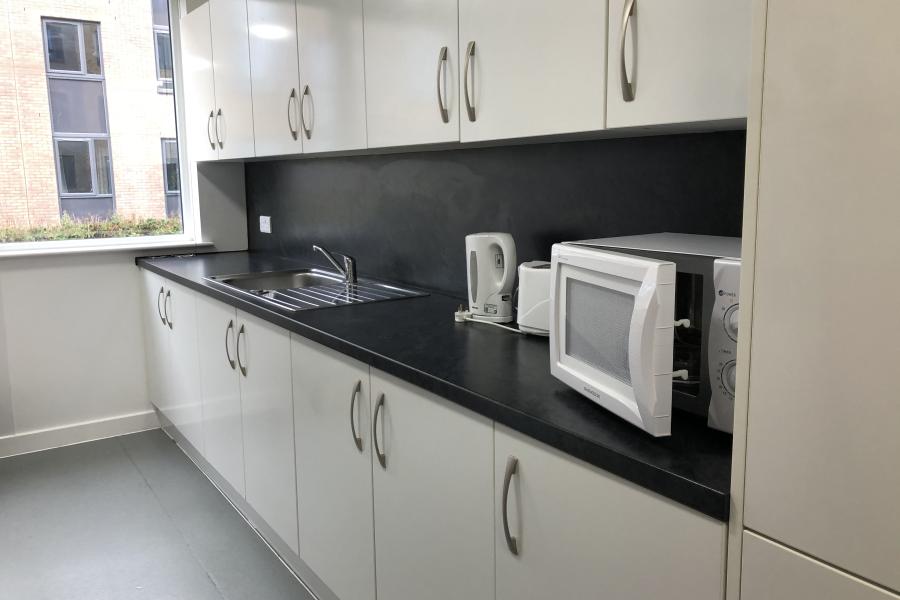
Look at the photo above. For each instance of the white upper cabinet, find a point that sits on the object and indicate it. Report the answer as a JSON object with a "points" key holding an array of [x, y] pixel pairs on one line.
{"points": [[412, 72], [199, 86], [220, 390], [677, 62], [275, 76], [332, 425], [263, 356], [233, 119], [574, 531], [823, 437], [332, 75], [433, 476], [534, 67]]}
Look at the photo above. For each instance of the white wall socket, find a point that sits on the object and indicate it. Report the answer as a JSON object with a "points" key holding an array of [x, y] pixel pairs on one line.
{"points": [[265, 224]]}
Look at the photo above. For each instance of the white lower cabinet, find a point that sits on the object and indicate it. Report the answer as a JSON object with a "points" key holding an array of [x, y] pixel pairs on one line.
{"points": [[263, 356], [583, 533], [156, 338], [774, 572], [433, 496], [332, 425], [220, 390]]}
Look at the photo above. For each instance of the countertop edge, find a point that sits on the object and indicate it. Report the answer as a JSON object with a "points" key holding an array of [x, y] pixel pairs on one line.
{"points": [[686, 492]]}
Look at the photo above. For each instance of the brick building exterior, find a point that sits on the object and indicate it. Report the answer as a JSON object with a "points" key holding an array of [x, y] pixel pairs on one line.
{"points": [[140, 113]]}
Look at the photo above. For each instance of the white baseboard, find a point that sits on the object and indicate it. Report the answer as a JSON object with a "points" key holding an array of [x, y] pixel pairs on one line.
{"points": [[76, 433]]}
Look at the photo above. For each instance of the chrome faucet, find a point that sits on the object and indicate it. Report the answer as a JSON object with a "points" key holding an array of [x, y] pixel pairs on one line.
{"points": [[349, 268]]}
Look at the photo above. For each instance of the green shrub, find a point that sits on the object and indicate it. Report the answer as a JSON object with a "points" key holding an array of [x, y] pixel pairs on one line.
{"points": [[70, 229]]}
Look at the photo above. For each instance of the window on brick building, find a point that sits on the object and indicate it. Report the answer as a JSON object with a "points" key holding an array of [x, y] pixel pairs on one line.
{"points": [[78, 118], [162, 44], [171, 178]]}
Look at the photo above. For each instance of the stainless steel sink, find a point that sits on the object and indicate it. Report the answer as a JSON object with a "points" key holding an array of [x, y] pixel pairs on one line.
{"points": [[305, 289]]}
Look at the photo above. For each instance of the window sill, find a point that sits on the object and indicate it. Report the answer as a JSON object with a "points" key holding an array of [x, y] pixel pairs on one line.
{"points": [[138, 244]]}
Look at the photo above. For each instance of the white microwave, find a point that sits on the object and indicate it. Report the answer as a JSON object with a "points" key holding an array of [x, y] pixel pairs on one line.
{"points": [[639, 321]]}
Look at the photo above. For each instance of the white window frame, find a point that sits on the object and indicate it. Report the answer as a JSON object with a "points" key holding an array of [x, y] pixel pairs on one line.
{"points": [[191, 236]]}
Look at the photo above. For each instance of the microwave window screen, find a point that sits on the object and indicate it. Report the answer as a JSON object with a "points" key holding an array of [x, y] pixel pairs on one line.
{"points": [[598, 321]]}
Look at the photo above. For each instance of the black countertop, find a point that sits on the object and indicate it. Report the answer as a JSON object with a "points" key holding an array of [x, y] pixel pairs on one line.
{"points": [[502, 376]]}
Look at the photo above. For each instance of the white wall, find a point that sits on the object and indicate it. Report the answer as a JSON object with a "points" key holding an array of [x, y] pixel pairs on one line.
{"points": [[71, 350]]}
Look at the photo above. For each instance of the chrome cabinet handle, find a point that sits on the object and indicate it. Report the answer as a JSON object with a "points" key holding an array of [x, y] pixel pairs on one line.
{"points": [[166, 308], [209, 119], [218, 136], [237, 347], [291, 100], [470, 104], [227, 350], [357, 439], [441, 78], [159, 296], [307, 131], [627, 86], [382, 458], [512, 467]]}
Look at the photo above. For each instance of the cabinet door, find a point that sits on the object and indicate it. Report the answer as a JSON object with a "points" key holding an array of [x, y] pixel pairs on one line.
{"points": [[537, 67], [264, 359], [184, 365], [156, 339], [824, 418], [405, 42], [275, 76], [587, 534], [688, 61], [199, 85], [433, 497], [233, 122], [332, 75], [773, 572], [334, 474], [220, 392]]}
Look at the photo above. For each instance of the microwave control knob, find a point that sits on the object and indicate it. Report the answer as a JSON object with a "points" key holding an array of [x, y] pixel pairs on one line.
{"points": [[732, 319], [729, 376]]}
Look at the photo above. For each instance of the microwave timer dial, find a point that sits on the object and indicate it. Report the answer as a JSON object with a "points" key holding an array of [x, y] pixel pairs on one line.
{"points": [[729, 377]]}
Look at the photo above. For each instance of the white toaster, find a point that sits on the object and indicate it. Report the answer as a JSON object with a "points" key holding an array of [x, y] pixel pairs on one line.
{"points": [[534, 297]]}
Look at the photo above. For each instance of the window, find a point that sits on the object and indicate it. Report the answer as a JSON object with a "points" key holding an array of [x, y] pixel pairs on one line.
{"points": [[78, 119], [162, 44], [90, 148], [171, 178]]}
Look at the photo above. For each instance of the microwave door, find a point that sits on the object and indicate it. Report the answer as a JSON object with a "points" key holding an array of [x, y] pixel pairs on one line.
{"points": [[612, 332]]}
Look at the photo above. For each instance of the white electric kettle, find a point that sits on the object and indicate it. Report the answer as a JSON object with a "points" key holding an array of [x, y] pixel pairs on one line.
{"points": [[491, 268]]}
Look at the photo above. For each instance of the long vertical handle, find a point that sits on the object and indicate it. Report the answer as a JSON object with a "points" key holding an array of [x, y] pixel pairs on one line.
{"points": [[441, 77], [512, 467], [357, 439], [237, 346], [382, 458], [209, 120], [218, 135], [470, 104], [159, 296], [166, 308], [291, 100], [627, 86], [228, 350], [307, 131]]}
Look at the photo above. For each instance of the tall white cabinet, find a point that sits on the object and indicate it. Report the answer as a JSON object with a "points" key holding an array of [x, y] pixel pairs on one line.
{"points": [[275, 79], [412, 72], [677, 62], [434, 495], [533, 68], [823, 432], [332, 75], [333, 429], [567, 529]]}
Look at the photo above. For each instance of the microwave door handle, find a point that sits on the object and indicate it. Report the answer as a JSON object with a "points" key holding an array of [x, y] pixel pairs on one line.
{"points": [[641, 349]]}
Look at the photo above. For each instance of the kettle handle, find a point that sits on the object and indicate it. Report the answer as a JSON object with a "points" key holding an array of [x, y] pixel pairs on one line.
{"points": [[508, 247]]}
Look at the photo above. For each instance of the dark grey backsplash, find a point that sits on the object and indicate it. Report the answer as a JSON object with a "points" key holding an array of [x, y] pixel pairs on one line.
{"points": [[405, 216]]}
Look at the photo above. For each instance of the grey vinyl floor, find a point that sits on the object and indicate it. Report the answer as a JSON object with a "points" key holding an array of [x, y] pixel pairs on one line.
{"points": [[127, 518]]}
